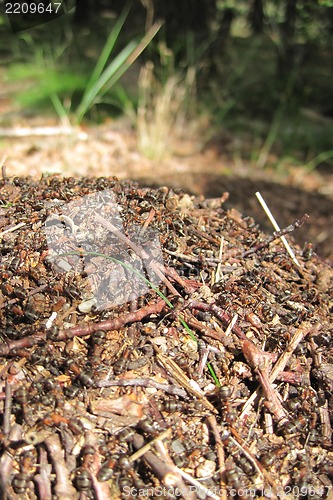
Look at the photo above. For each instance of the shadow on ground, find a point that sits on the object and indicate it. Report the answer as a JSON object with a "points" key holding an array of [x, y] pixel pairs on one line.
{"points": [[287, 204]]}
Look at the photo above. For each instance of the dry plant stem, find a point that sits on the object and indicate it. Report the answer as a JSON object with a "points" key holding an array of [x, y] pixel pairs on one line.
{"points": [[163, 471], [7, 409], [276, 227], [177, 373], [11, 229], [325, 423], [219, 313], [181, 486], [206, 330], [255, 462], [279, 366], [165, 434], [101, 489], [276, 235], [143, 382], [158, 269], [6, 461], [81, 331], [220, 454], [64, 489], [258, 361], [199, 486], [29, 294], [172, 273], [298, 337], [43, 478]]}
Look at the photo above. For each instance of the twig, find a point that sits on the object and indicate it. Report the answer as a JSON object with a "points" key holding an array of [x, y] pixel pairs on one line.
{"points": [[258, 361], [8, 409], [220, 454], [276, 235], [41, 131], [3, 170], [81, 331], [206, 330], [247, 452], [7, 459], [141, 451], [277, 228], [199, 486], [177, 373], [13, 228], [101, 489], [63, 486], [218, 312], [325, 423], [157, 268], [42, 479], [143, 382], [279, 366], [163, 471], [186, 284], [29, 294], [303, 330]]}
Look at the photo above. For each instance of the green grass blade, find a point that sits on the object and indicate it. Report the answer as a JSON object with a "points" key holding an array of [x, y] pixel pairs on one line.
{"points": [[60, 109], [325, 155], [107, 49], [113, 72]]}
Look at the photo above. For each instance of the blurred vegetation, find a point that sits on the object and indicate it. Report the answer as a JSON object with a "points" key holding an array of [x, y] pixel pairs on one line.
{"points": [[262, 70]]}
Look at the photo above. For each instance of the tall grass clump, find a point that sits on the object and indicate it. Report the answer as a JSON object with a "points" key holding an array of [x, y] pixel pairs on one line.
{"points": [[163, 105]]}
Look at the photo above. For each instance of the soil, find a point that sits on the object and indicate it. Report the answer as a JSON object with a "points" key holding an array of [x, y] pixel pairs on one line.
{"points": [[194, 165], [223, 367]]}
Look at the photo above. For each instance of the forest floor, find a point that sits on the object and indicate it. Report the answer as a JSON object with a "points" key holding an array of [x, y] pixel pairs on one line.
{"points": [[202, 168]]}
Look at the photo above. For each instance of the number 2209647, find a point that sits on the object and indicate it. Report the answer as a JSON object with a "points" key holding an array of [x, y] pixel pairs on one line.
{"points": [[31, 7]]}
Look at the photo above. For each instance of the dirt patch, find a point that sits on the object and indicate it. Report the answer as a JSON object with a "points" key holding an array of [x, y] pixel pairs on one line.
{"points": [[111, 149], [287, 203]]}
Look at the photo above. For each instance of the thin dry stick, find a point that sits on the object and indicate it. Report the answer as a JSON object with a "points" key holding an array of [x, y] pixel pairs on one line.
{"points": [[326, 423], [277, 235], [157, 268], [63, 486], [301, 332], [199, 486], [164, 453], [163, 471], [13, 228], [7, 409], [177, 373], [143, 382], [258, 361], [101, 489], [258, 465], [165, 434], [7, 459], [206, 330], [276, 227], [279, 366], [3, 169], [220, 454], [219, 273], [81, 331], [42, 479]]}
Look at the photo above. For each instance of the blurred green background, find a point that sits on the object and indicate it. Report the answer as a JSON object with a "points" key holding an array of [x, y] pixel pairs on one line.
{"points": [[259, 72]]}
